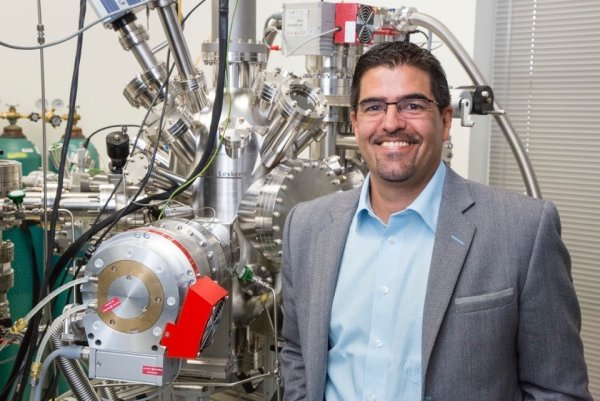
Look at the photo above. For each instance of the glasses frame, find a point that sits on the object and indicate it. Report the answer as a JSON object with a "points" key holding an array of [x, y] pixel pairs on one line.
{"points": [[396, 103]]}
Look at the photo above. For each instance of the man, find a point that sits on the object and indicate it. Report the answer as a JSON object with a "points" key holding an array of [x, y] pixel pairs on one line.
{"points": [[421, 284]]}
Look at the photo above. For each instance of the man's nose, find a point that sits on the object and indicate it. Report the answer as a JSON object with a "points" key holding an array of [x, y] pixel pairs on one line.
{"points": [[393, 119]]}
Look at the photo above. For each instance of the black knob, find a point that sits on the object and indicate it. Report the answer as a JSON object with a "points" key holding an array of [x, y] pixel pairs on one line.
{"points": [[117, 147]]}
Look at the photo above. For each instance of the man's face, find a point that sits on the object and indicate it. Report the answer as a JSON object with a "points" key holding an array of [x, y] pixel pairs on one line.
{"points": [[400, 149]]}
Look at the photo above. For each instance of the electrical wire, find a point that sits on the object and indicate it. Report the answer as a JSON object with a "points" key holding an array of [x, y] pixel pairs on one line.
{"points": [[318, 35], [78, 32]]}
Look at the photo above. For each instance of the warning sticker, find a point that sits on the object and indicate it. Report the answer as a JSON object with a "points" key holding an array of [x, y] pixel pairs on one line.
{"points": [[152, 370], [16, 155], [350, 32], [110, 305]]}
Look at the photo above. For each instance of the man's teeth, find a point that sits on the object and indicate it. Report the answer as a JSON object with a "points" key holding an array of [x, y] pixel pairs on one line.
{"points": [[390, 144]]}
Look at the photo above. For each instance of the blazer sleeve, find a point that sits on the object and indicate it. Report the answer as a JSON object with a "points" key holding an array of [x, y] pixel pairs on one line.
{"points": [[550, 350], [292, 362]]}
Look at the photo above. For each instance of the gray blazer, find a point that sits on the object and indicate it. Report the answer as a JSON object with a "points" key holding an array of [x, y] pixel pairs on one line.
{"points": [[501, 319]]}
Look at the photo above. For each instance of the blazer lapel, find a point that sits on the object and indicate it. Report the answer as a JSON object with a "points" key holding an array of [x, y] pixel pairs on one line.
{"points": [[328, 252], [453, 239]]}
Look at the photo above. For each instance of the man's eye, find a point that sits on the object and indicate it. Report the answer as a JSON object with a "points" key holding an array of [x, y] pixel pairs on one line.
{"points": [[412, 106], [372, 107]]}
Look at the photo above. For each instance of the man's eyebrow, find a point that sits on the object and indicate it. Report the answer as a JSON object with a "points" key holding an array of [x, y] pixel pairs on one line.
{"points": [[414, 96], [372, 99]]}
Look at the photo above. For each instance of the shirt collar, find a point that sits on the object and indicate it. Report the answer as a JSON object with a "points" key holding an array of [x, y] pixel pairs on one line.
{"points": [[426, 205]]}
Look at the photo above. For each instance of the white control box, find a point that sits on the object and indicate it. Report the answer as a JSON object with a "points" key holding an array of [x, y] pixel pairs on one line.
{"points": [[106, 7], [303, 26]]}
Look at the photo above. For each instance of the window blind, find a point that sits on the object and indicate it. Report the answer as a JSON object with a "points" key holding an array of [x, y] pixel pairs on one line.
{"points": [[546, 75]]}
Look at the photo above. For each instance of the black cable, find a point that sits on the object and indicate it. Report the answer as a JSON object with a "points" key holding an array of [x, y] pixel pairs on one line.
{"points": [[417, 31], [190, 13], [11, 380], [26, 229], [67, 138]]}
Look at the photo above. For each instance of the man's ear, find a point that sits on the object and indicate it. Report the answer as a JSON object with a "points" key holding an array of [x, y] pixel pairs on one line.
{"points": [[353, 120], [446, 122]]}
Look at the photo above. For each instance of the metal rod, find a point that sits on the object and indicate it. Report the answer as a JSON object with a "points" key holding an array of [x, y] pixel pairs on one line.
{"points": [[41, 41], [177, 43]]}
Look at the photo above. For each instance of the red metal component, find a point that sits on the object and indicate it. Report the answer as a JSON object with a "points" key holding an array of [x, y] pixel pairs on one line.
{"points": [[184, 338], [356, 23]]}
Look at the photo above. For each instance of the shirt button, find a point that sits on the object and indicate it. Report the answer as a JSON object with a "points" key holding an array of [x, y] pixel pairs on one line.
{"points": [[372, 397], [392, 240], [385, 290], [379, 343]]}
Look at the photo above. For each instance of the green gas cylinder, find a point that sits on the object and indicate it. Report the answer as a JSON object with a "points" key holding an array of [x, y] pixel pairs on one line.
{"points": [[15, 146], [13, 143], [77, 138]]}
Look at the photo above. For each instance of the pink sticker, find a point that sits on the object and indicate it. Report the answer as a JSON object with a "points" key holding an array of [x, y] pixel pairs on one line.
{"points": [[110, 305], [152, 370]]}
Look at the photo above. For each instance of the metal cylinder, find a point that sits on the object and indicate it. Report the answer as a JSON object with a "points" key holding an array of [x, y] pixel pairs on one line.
{"points": [[10, 176], [141, 90], [242, 20], [134, 38], [300, 113], [177, 43]]}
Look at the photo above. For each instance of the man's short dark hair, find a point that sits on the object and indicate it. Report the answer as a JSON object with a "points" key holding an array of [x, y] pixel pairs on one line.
{"points": [[393, 54]]}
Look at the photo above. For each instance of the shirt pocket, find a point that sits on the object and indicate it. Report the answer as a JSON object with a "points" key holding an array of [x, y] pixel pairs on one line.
{"points": [[484, 301]]}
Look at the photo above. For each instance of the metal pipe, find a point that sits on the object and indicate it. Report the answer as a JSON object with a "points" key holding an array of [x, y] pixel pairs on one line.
{"points": [[272, 25], [134, 38], [346, 142], [191, 81], [41, 41], [74, 374], [468, 64], [242, 24], [70, 214], [177, 43]]}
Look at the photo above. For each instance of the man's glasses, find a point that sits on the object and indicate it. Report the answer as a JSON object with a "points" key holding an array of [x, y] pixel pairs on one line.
{"points": [[407, 108]]}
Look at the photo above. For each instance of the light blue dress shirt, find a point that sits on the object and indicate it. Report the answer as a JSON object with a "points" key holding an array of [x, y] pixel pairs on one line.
{"points": [[377, 313]]}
